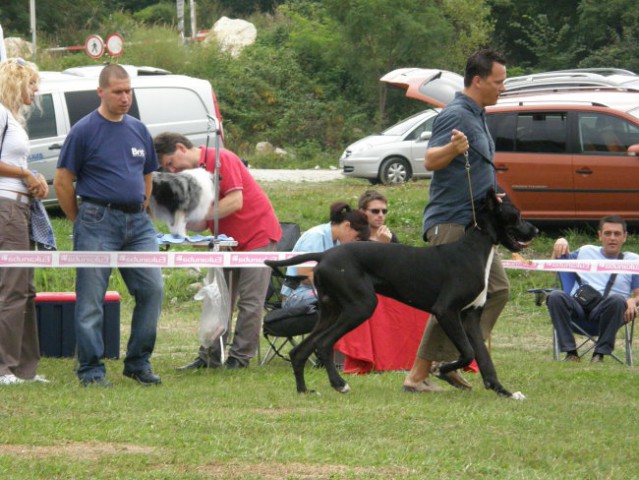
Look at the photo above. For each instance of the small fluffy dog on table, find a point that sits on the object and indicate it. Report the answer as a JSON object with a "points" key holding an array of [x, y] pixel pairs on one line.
{"points": [[180, 198]]}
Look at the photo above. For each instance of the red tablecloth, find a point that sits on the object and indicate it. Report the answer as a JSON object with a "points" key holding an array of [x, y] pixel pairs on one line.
{"points": [[386, 341]]}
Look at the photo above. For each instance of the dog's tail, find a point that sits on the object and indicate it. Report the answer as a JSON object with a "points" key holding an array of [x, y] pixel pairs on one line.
{"points": [[305, 257]]}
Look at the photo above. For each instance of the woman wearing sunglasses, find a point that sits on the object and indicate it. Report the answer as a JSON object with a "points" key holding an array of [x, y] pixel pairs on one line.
{"points": [[346, 225], [375, 206]]}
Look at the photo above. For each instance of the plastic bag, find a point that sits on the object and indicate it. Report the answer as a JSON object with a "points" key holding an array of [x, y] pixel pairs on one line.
{"points": [[215, 307]]}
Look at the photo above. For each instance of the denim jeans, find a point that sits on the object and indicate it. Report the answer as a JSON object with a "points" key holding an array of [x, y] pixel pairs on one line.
{"points": [[98, 228], [604, 320], [301, 296]]}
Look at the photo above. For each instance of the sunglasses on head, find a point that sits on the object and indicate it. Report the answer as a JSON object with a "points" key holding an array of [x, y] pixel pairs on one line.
{"points": [[377, 211]]}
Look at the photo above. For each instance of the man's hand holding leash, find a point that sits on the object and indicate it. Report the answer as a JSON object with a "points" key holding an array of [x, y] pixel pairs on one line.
{"points": [[440, 157], [459, 142]]}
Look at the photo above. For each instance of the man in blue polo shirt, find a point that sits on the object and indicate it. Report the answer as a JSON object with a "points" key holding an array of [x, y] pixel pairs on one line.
{"points": [[110, 156], [460, 130]]}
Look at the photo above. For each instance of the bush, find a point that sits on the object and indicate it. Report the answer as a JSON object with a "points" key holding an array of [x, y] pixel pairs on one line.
{"points": [[267, 93]]}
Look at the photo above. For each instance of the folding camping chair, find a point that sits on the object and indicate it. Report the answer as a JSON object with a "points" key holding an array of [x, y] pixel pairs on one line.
{"points": [[290, 235], [566, 281], [284, 328]]}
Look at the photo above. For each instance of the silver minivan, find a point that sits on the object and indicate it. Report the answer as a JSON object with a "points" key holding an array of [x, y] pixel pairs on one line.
{"points": [[164, 102], [393, 156]]}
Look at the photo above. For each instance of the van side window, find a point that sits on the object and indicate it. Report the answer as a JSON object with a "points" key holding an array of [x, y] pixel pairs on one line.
{"points": [[81, 103], [41, 123], [502, 128], [177, 105], [541, 132], [599, 132]]}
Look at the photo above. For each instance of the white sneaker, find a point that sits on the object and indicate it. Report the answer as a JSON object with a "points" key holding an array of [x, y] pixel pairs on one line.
{"points": [[38, 378], [10, 380]]}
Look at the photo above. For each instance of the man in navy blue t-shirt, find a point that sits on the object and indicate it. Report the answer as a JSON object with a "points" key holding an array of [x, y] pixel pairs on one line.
{"points": [[110, 156]]}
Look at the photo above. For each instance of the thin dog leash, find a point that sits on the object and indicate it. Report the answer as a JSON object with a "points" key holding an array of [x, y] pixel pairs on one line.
{"points": [[470, 186]]}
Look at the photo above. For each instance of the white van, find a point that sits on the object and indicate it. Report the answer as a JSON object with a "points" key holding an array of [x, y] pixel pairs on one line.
{"points": [[164, 102]]}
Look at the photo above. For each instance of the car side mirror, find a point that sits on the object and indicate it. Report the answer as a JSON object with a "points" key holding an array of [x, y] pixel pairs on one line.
{"points": [[426, 136], [633, 150]]}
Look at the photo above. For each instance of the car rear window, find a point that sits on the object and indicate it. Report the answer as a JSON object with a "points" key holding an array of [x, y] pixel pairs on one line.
{"points": [[170, 105], [405, 125]]}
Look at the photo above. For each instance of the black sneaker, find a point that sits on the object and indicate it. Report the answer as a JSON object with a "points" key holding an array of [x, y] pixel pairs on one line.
{"points": [[96, 382], [143, 377], [597, 358], [233, 363]]}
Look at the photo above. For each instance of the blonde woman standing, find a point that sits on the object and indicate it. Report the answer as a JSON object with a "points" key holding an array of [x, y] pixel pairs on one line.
{"points": [[19, 347]]}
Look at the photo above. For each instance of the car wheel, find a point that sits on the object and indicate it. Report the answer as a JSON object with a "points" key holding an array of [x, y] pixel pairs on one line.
{"points": [[395, 170]]}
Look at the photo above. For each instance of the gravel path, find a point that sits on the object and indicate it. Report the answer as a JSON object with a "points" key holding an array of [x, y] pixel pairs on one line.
{"points": [[312, 175]]}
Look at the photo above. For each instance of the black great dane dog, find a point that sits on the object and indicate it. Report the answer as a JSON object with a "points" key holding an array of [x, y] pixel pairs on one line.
{"points": [[449, 281]]}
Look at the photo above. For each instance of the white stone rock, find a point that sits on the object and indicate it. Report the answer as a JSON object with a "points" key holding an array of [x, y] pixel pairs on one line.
{"points": [[280, 152], [233, 34], [17, 47], [264, 148]]}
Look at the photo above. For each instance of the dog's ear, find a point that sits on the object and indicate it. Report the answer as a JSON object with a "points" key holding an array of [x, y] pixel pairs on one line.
{"points": [[491, 199]]}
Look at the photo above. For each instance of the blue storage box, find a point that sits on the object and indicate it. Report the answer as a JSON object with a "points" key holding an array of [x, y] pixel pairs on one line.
{"points": [[56, 314]]}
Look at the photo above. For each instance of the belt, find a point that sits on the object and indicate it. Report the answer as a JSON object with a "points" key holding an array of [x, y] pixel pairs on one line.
{"points": [[123, 207], [18, 197]]}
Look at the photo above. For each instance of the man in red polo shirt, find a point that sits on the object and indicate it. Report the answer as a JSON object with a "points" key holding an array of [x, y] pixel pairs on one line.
{"points": [[246, 214]]}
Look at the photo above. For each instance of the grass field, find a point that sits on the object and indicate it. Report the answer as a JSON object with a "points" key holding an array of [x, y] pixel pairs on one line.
{"points": [[579, 420]]}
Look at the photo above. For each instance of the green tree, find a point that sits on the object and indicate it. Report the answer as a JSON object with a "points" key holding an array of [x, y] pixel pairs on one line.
{"points": [[472, 27], [534, 32], [380, 35], [163, 13], [549, 44], [607, 34], [55, 19]]}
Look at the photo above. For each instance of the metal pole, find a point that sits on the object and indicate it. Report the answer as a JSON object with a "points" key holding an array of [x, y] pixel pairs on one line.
{"points": [[215, 126], [193, 26], [32, 14], [216, 215], [180, 16]]}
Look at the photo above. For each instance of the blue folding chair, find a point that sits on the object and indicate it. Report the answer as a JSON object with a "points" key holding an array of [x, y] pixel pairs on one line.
{"points": [[565, 282]]}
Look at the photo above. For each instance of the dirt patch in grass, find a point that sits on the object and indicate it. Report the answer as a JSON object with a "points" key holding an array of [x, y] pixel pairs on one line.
{"points": [[278, 471], [80, 451]]}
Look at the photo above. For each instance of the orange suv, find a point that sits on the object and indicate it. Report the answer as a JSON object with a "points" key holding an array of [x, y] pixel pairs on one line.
{"points": [[566, 152]]}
